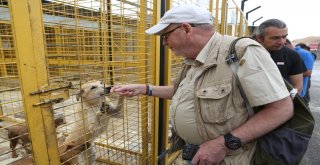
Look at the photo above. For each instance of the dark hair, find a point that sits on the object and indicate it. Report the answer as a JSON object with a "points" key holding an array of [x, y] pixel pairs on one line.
{"points": [[270, 23], [288, 41], [303, 46], [254, 37]]}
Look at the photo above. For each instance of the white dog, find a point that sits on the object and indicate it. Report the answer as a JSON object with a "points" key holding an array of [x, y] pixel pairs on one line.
{"points": [[89, 123]]}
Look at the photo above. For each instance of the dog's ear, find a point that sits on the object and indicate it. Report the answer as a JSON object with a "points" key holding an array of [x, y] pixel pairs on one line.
{"points": [[78, 96], [59, 121], [69, 146]]}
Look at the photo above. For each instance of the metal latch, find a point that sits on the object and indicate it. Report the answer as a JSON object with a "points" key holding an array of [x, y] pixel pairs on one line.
{"points": [[50, 101], [51, 89], [52, 95]]}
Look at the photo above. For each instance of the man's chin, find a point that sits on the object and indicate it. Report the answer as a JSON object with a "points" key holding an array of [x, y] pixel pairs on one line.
{"points": [[174, 52], [277, 48]]}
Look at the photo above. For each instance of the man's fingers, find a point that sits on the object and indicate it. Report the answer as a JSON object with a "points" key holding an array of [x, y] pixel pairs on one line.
{"points": [[195, 159]]}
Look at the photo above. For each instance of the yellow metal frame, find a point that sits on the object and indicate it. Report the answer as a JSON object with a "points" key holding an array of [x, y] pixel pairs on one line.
{"points": [[29, 42]]}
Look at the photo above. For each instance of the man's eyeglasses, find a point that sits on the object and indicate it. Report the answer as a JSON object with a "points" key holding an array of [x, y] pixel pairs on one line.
{"points": [[166, 34]]}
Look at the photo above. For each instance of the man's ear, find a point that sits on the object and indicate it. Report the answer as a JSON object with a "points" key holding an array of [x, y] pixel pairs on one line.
{"points": [[259, 38], [187, 28], [78, 96]]}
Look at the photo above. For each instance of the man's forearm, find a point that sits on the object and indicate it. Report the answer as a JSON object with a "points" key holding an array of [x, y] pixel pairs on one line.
{"points": [[307, 73], [266, 120], [297, 81], [165, 92]]}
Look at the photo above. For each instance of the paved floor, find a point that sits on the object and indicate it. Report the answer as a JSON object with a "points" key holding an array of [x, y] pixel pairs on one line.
{"points": [[312, 155]]}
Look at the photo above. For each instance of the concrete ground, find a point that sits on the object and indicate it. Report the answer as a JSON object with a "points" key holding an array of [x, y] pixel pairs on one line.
{"points": [[312, 155]]}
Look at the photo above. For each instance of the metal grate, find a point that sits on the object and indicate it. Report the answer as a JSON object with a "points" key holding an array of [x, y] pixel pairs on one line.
{"points": [[86, 40], [11, 107], [100, 40]]}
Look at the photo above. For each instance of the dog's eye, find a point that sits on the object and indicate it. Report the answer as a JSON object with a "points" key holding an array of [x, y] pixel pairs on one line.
{"points": [[93, 87]]}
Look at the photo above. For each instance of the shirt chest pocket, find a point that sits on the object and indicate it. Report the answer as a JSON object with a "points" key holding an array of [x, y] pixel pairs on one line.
{"points": [[216, 103]]}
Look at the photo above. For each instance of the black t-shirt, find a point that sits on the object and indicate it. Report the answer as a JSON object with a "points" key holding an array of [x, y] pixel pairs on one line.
{"points": [[288, 61]]}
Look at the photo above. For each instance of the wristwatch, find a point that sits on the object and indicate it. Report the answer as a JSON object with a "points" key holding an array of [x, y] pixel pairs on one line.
{"points": [[232, 142]]}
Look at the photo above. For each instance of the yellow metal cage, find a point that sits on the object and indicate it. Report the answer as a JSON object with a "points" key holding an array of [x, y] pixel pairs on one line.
{"points": [[50, 48], [83, 41]]}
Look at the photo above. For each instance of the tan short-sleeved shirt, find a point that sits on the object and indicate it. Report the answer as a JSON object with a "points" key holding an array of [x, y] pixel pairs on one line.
{"points": [[182, 105], [182, 110], [259, 76]]}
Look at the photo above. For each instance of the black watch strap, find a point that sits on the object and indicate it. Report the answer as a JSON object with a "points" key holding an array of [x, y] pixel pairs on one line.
{"points": [[232, 142]]}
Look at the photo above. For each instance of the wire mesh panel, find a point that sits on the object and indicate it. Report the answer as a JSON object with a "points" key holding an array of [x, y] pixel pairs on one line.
{"points": [[85, 41], [89, 40], [12, 119]]}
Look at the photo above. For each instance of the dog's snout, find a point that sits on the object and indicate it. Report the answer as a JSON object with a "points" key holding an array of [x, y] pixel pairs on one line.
{"points": [[107, 90]]}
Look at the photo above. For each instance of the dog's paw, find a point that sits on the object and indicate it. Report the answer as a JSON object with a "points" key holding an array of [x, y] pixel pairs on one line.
{"points": [[99, 115], [98, 118], [61, 138], [28, 151]]}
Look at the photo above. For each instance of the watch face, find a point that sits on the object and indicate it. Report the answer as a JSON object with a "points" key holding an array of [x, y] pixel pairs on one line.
{"points": [[232, 142]]}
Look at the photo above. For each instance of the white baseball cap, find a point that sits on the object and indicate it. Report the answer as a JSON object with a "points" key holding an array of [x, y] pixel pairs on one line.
{"points": [[181, 14]]}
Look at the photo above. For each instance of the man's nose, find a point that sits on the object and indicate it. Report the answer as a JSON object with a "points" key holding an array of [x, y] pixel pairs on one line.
{"points": [[283, 40]]}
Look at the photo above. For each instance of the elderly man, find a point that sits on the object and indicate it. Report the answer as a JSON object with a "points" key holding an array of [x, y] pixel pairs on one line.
{"points": [[207, 109]]}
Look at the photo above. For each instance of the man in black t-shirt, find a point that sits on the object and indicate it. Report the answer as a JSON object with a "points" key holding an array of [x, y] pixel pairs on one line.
{"points": [[272, 35], [288, 61]]}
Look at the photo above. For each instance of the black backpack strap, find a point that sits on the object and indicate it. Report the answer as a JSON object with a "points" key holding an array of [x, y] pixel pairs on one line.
{"points": [[232, 60], [232, 57]]}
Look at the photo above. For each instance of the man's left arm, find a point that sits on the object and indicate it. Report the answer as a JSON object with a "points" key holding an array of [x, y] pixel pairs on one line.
{"points": [[263, 85], [270, 117], [297, 81], [308, 61]]}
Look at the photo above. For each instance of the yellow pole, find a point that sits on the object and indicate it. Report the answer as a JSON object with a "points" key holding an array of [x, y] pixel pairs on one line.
{"points": [[224, 10], [216, 17], [241, 32], [155, 61], [167, 81], [144, 79], [28, 33]]}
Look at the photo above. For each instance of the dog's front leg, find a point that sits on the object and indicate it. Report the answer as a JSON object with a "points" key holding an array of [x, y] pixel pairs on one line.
{"points": [[97, 121], [13, 144]]}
